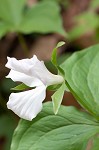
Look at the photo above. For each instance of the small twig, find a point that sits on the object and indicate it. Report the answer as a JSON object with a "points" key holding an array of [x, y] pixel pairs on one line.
{"points": [[23, 43]]}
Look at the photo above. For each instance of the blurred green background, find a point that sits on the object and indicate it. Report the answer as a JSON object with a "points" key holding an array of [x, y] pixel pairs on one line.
{"points": [[29, 27]]}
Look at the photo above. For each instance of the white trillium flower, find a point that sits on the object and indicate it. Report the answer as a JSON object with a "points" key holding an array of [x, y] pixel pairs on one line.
{"points": [[33, 73]]}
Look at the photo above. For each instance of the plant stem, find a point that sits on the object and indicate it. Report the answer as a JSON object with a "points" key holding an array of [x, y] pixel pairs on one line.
{"points": [[23, 43]]}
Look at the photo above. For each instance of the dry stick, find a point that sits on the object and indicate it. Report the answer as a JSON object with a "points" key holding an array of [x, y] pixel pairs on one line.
{"points": [[23, 43]]}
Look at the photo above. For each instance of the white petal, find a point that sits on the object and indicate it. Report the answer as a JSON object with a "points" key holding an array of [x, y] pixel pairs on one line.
{"points": [[40, 71], [27, 104], [23, 66], [34, 68], [21, 77]]}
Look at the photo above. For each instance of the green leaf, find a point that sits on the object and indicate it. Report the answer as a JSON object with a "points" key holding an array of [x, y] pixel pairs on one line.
{"points": [[54, 53], [82, 76], [43, 17], [11, 11], [60, 44], [53, 87], [56, 87], [86, 22], [64, 3], [54, 57], [94, 4], [63, 57], [69, 130], [57, 98], [95, 143], [20, 87], [7, 126]]}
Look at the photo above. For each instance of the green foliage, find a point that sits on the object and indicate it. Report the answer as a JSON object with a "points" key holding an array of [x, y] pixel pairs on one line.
{"points": [[94, 4], [69, 130], [58, 95], [54, 58], [86, 22], [54, 87], [64, 3], [7, 84], [60, 60], [42, 17], [20, 87], [54, 53], [7, 126], [11, 12], [82, 76], [57, 98], [95, 144], [61, 43]]}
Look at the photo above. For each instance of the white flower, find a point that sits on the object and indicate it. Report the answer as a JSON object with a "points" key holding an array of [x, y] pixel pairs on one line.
{"points": [[33, 73]]}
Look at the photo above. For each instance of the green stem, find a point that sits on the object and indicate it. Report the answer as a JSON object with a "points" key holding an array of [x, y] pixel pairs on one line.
{"points": [[23, 43]]}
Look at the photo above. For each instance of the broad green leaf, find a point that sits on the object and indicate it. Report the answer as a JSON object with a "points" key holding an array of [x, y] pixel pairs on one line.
{"points": [[86, 22], [69, 130], [95, 143], [57, 98], [43, 17], [7, 126], [54, 53], [11, 11], [20, 87], [82, 76], [61, 71], [63, 57]]}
